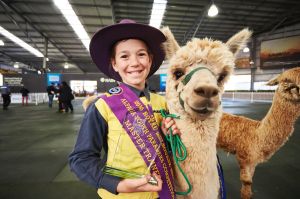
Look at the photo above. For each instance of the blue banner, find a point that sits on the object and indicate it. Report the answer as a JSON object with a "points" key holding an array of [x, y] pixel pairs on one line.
{"points": [[54, 78], [162, 82]]}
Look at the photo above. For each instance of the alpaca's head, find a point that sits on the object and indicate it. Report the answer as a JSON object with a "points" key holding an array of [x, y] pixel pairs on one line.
{"points": [[288, 85], [197, 72]]}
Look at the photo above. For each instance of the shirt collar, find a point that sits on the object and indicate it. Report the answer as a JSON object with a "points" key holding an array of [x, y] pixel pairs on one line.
{"points": [[145, 92]]}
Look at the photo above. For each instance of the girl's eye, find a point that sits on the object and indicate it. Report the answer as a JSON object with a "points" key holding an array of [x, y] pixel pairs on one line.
{"points": [[142, 54], [124, 56], [178, 74]]}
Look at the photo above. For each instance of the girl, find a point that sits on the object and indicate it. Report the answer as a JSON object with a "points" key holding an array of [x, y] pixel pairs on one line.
{"points": [[122, 125]]}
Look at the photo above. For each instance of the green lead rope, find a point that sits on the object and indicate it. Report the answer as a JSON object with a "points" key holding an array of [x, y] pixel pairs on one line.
{"points": [[178, 151]]}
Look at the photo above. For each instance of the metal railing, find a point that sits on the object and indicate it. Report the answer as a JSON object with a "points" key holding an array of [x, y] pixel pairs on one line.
{"points": [[249, 96], [33, 98], [37, 98]]}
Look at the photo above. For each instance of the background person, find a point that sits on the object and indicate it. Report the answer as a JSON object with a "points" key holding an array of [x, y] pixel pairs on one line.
{"points": [[24, 91], [58, 95], [66, 96], [51, 92], [5, 93]]}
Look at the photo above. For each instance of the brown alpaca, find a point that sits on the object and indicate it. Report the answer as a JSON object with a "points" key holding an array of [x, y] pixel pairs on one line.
{"points": [[194, 87], [254, 142]]}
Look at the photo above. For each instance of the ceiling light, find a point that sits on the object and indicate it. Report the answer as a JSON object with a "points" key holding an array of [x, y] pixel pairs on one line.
{"points": [[16, 65], [246, 50], [158, 10], [39, 72], [73, 20], [20, 42], [213, 10], [1, 43], [66, 66]]}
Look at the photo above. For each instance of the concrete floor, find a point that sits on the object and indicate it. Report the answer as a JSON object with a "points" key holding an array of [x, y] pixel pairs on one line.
{"points": [[35, 142]]}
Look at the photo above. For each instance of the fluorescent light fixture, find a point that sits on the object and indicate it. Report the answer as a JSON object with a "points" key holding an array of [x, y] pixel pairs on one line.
{"points": [[158, 10], [66, 66], [246, 50], [1, 43], [20, 42], [73, 20], [213, 11]]}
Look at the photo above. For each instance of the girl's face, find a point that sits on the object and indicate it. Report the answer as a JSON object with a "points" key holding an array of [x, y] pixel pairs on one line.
{"points": [[132, 61]]}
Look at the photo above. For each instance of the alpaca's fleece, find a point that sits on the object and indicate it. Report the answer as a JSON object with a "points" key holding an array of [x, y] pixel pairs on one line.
{"points": [[195, 83], [171, 46], [87, 101], [254, 141]]}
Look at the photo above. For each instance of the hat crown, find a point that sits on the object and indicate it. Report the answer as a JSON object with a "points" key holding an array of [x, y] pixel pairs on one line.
{"points": [[124, 21], [102, 42]]}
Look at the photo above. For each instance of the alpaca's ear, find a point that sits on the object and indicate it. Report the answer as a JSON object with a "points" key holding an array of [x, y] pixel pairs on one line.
{"points": [[274, 81], [170, 46], [239, 40]]}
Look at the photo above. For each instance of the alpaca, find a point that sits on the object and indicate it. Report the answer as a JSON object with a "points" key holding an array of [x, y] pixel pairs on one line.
{"points": [[254, 142], [195, 83]]}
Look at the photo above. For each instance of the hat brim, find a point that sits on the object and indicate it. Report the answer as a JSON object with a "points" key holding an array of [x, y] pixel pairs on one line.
{"points": [[103, 40]]}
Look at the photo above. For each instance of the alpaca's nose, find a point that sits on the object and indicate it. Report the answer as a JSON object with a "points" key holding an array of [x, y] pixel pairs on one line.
{"points": [[206, 91]]}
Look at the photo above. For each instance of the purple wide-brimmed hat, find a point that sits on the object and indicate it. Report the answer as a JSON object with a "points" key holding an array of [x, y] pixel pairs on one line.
{"points": [[104, 39]]}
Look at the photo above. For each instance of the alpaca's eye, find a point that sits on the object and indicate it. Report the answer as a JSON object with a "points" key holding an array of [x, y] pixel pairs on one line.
{"points": [[178, 74], [221, 77], [296, 89], [293, 87]]}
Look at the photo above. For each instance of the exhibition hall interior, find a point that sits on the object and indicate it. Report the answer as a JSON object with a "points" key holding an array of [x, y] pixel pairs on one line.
{"points": [[45, 48]]}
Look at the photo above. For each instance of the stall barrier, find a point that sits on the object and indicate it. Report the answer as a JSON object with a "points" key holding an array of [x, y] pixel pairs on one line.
{"points": [[33, 98], [38, 98], [244, 96], [249, 96]]}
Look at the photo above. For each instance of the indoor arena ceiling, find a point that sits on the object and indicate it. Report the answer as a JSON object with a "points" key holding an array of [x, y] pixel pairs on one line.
{"points": [[37, 21]]}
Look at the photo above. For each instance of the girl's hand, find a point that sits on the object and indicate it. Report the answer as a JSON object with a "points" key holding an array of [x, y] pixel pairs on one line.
{"points": [[167, 123], [139, 185]]}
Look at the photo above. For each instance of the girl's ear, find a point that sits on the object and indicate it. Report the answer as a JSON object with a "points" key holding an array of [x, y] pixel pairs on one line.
{"points": [[150, 59], [113, 64]]}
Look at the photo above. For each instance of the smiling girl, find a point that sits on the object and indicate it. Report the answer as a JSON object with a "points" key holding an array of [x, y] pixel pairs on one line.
{"points": [[130, 53]]}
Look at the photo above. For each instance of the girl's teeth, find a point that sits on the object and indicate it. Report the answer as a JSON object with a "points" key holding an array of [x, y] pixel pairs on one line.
{"points": [[135, 72]]}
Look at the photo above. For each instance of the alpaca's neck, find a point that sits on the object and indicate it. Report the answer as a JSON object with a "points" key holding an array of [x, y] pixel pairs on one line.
{"points": [[278, 124], [200, 138], [205, 131]]}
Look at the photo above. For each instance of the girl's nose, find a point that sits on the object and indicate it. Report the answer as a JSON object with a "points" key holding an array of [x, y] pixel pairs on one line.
{"points": [[134, 61]]}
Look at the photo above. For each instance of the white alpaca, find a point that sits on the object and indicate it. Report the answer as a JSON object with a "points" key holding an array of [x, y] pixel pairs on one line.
{"points": [[254, 142], [196, 77], [195, 81]]}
